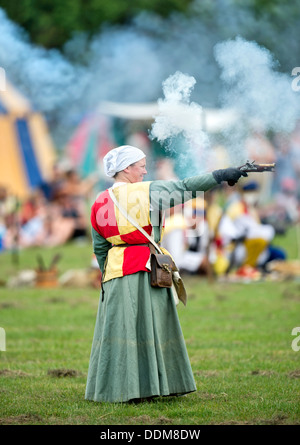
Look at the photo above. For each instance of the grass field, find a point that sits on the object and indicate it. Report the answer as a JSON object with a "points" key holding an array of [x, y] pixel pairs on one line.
{"points": [[238, 338]]}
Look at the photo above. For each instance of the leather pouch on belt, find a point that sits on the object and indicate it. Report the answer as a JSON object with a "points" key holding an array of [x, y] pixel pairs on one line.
{"points": [[161, 270]]}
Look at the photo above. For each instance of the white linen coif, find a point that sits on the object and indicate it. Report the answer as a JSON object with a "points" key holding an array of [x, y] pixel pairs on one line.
{"points": [[120, 158]]}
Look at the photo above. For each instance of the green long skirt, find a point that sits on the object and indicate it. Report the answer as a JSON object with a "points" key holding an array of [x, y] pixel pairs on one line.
{"points": [[138, 349]]}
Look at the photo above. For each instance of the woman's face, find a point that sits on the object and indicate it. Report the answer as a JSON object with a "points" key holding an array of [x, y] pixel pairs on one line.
{"points": [[137, 171]]}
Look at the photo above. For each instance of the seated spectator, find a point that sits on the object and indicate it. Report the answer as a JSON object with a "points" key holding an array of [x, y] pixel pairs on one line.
{"points": [[246, 241], [186, 237], [284, 210], [70, 208]]}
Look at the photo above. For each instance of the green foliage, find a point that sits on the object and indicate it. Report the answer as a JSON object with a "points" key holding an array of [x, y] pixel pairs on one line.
{"points": [[51, 23]]}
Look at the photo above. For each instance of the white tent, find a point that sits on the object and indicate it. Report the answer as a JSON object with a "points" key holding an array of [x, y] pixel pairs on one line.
{"points": [[213, 119]]}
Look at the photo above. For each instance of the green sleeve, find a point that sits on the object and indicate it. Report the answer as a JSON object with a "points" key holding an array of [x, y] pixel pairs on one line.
{"points": [[167, 194], [100, 247]]}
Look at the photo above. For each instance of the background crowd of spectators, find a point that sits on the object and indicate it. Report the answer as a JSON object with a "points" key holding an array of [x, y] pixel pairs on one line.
{"points": [[238, 225], [50, 216]]}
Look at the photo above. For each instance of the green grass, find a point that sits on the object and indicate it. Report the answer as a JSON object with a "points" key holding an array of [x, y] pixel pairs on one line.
{"points": [[238, 338]]}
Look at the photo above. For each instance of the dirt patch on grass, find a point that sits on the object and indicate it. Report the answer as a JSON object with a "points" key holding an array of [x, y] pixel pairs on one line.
{"points": [[206, 396], [211, 396], [234, 422], [262, 372], [55, 300], [207, 373], [9, 305], [22, 419], [221, 297], [13, 373], [291, 294], [294, 374], [61, 372], [147, 420], [280, 419]]}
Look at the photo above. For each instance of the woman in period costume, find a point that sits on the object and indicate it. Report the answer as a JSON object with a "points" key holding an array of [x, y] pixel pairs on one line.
{"points": [[138, 350]]}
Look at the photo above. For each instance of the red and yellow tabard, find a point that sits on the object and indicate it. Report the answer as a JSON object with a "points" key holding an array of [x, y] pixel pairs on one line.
{"points": [[110, 223]]}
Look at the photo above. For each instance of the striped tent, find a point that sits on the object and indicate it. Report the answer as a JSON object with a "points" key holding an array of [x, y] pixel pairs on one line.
{"points": [[91, 140], [26, 150]]}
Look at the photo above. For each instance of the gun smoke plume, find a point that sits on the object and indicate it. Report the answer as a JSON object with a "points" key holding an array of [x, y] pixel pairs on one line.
{"points": [[179, 123], [133, 64], [262, 95]]}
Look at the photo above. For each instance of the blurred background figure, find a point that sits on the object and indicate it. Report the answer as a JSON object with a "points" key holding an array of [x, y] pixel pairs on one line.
{"points": [[164, 169], [187, 237], [8, 214], [246, 242], [287, 161], [283, 212]]}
